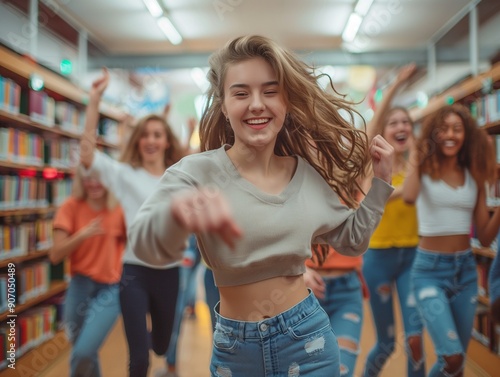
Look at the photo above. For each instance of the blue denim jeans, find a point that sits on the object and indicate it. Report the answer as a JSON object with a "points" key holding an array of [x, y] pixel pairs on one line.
{"points": [[445, 286], [212, 295], [90, 311], [384, 270], [297, 342], [186, 296], [343, 303]]}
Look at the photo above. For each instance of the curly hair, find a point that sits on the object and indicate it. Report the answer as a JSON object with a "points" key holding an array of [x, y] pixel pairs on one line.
{"points": [[476, 155], [314, 127], [131, 153]]}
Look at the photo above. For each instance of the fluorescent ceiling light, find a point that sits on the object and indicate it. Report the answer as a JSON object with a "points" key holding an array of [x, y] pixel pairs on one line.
{"points": [[154, 8], [363, 6], [170, 31], [352, 27]]}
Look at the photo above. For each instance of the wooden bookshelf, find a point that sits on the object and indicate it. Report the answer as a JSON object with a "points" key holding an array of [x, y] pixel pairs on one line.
{"points": [[27, 211], [24, 258], [34, 361], [54, 288], [493, 128], [23, 67], [458, 93], [24, 122]]}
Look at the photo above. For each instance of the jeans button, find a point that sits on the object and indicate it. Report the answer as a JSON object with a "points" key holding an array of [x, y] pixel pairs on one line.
{"points": [[263, 327]]}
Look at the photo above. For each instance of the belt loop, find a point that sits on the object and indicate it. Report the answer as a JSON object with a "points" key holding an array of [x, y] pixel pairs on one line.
{"points": [[241, 330], [283, 325]]}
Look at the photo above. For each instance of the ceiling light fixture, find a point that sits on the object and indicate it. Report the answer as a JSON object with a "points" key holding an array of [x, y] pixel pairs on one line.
{"points": [[169, 30], [362, 7], [154, 8], [355, 19], [352, 27]]}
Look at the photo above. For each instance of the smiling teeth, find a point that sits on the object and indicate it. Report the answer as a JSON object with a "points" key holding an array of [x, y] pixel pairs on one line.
{"points": [[258, 121], [449, 143]]}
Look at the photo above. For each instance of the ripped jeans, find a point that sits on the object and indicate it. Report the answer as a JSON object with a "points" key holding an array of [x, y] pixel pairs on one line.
{"points": [[297, 342], [445, 286], [343, 303], [386, 270]]}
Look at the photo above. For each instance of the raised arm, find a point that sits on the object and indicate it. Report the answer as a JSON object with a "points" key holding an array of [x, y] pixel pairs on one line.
{"points": [[88, 139], [376, 125], [486, 225], [411, 186]]}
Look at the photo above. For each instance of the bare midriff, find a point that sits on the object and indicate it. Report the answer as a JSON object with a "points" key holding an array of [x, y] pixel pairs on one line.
{"points": [[262, 299], [445, 244]]}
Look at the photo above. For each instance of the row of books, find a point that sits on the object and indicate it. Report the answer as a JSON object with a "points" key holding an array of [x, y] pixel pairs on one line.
{"points": [[485, 330], [486, 109], [10, 95], [32, 329], [28, 148], [32, 192], [21, 239]]}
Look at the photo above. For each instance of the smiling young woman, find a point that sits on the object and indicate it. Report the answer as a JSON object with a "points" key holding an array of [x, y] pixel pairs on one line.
{"points": [[275, 150], [450, 165]]}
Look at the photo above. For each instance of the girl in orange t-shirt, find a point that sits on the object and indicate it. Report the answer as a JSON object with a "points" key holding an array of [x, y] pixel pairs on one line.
{"points": [[89, 229]]}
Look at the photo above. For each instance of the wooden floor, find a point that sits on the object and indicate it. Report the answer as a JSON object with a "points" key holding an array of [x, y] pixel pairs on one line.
{"points": [[195, 345]]}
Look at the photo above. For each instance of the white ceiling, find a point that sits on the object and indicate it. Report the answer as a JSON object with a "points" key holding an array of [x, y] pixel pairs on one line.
{"points": [[126, 27]]}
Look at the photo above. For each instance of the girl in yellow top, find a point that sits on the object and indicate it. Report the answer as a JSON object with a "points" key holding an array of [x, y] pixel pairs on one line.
{"points": [[89, 229], [387, 263]]}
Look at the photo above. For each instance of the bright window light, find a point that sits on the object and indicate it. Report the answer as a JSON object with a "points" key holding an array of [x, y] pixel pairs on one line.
{"points": [[352, 27], [200, 78], [154, 8], [170, 31], [363, 6]]}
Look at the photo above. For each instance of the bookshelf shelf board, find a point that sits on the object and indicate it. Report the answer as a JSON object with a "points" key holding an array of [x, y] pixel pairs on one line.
{"points": [[25, 122], [27, 211], [33, 362], [484, 251], [30, 256], [458, 92], [55, 288], [15, 165], [493, 128]]}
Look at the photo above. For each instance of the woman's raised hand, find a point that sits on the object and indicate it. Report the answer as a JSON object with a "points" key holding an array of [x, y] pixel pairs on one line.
{"points": [[382, 158], [99, 85]]}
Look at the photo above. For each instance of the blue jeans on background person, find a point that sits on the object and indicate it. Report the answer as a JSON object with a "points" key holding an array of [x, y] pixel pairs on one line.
{"points": [[384, 270], [445, 286], [212, 296], [343, 303], [187, 288], [90, 311], [297, 342]]}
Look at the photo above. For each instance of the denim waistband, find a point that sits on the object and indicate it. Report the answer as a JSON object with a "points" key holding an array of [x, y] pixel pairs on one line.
{"points": [[269, 326], [444, 255], [342, 278]]}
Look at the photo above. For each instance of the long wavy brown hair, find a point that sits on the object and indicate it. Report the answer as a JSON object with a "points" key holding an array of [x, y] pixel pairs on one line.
{"points": [[131, 153], [477, 153], [314, 128]]}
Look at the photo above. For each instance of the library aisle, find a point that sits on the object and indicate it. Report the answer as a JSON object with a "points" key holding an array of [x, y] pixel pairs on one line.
{"points": [[195, 346]]}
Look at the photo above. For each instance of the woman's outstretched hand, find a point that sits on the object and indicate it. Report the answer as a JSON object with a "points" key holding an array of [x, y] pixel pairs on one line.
{"points": [[382, 158], [99, 85], [204, 210]]}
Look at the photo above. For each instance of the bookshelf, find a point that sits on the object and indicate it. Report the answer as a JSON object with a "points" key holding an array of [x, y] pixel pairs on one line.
{"points": [[39, 139], [483, 349]]}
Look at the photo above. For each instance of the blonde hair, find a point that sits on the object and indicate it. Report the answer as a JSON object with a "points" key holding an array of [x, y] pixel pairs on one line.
{"points": [[131, 153], [78, 191], [476, 154], [313, 129]]}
